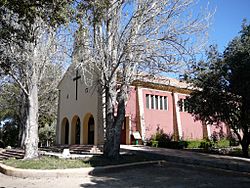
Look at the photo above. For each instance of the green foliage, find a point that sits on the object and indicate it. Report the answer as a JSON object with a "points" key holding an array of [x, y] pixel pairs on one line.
{"points": [[207, 144], [47, 134], [26, 12], [9, 134], [202, 144], [224, 82], [223, 143], [161, 138], [164, 140], [193, 144]]}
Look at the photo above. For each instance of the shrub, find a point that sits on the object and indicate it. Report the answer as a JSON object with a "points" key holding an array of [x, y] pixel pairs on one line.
{"points": [[233, 140], [162, 138], [193, 144], [204, 144], [223, 143]]}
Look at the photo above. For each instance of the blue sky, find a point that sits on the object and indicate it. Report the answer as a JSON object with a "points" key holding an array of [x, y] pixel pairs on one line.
{"points": [[227, 20]]}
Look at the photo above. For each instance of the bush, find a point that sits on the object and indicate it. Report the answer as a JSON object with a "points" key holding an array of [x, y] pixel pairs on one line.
{"points": [[162, 138], [223, 143], [206, 144], [193, 144], [233, 140]]}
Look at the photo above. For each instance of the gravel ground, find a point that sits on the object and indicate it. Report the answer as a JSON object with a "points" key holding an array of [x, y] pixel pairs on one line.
{"points": [[166, 175]]}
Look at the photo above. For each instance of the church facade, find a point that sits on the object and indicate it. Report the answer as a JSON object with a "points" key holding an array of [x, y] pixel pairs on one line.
{"points": [[152, 105]]}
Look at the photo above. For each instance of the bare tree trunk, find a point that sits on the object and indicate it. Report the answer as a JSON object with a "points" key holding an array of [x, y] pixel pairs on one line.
{"points": [[113, 126], [31, 131], [23, 120]]}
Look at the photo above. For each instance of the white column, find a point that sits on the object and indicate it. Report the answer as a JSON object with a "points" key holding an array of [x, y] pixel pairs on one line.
{"points": [[178, 115], [208, 131], [70, 132], [81, 131], [141, 112]]}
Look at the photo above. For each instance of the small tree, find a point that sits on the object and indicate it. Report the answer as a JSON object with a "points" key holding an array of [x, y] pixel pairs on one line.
{"points": [[224, 88]]}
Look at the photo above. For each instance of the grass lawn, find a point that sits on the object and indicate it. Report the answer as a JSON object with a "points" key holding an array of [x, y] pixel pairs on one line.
{"points": [[45, 162]]}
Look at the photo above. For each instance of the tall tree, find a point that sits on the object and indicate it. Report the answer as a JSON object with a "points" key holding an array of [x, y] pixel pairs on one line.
{"points": [[116, 39], [26, 38], [224, 88]]}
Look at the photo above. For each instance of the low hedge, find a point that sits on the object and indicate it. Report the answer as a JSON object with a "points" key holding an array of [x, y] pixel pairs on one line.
{"points": [[191, 144]]}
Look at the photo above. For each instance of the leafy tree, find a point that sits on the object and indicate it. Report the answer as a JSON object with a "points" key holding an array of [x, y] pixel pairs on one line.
{"points": [[27, 35], [11, 100], [224, 88], [118, 39]]}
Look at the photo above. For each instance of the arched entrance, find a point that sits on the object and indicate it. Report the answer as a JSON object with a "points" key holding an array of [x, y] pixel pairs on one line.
{"points": [[65, 131], [75, 130], [89, 129], [78, 128]]}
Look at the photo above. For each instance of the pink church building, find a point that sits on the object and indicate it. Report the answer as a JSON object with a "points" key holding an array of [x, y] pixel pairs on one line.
{"points": [[152, 105]]}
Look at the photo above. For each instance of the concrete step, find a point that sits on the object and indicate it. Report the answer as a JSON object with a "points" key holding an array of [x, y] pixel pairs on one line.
{"points": [[10, 155], [74, 149]]}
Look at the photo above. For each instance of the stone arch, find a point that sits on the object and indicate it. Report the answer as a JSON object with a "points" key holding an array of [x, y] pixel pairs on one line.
{"points": [[75, 130], [88, 129], [65, 131]]}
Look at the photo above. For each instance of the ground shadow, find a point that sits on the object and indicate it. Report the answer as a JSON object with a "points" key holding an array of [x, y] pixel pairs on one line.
{"points": [[167, 175]]}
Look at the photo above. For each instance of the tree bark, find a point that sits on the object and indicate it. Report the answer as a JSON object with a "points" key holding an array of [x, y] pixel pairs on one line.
{"points": [[31, 131], [245, 145], [113, 126]]}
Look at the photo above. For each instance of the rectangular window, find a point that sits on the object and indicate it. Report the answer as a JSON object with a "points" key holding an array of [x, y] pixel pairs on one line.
{"points": [[156, 102], [165, 102], [147, 101], [161, 103], [152, 102]]}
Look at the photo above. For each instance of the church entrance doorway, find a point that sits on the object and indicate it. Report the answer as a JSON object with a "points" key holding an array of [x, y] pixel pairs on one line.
{"points": [[123, 131], [66, 140], [77, 131], [91, 130], [65, 131], [88, 129]]}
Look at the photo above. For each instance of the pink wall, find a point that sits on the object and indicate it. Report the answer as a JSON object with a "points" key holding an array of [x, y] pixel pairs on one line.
{"points": [[191, 129], [131, 108], [218, 130], [163, 119], [156, 118]]}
